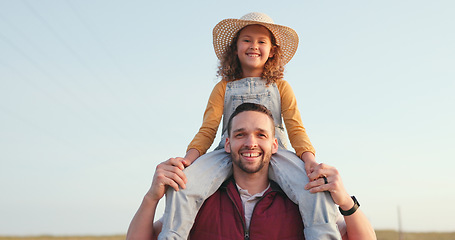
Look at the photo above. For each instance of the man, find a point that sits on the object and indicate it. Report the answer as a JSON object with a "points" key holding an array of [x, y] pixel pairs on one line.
{"points": [[249, 194]]}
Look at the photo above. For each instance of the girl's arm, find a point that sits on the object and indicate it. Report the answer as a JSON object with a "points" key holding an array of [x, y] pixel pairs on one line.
{"points": [[212, 118], [294, 126], [191, 156]]}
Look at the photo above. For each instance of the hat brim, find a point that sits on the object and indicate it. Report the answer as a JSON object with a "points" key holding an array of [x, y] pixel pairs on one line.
{"points": [[224, 32]]}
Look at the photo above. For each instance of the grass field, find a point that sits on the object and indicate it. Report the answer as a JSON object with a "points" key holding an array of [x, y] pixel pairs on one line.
{"points": [[381, 234], [393, 235]]}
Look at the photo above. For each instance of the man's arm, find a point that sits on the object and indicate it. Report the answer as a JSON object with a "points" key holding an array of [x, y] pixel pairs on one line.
{"points": [[357, 225], [142, 226], [168, 173]]}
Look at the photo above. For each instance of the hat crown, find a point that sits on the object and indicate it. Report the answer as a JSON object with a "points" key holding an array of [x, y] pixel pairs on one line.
{"points": [[258, 17]]}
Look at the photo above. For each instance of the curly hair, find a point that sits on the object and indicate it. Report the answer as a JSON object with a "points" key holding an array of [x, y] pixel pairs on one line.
{"points": [[229, 68]]}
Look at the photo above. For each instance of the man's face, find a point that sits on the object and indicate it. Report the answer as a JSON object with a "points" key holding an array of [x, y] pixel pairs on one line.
{"points": [[252, 142]]}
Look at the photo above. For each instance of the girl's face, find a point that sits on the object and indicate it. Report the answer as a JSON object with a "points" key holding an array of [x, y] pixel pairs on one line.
{"points": [[254, 48]]}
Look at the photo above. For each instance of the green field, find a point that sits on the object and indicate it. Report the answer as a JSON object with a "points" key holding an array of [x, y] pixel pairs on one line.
{"points": [[381, 234]]}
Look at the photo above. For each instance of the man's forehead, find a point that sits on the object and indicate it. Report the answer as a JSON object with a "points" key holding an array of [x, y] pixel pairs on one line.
{"points": [[252, 120], [256, 129]]}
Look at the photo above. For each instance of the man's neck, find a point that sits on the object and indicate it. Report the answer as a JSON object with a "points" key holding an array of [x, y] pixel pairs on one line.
{"points": [[253, 183]]}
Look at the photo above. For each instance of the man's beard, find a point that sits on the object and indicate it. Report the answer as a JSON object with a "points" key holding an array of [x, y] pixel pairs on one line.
{"points": [[246, 167]]}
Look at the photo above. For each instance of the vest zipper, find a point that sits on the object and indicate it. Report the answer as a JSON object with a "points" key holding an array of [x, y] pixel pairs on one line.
{"points": [[246, 232]]}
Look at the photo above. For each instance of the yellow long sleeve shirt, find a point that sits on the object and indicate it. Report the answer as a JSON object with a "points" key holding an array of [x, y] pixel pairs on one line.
{"points": [[289, 111]]}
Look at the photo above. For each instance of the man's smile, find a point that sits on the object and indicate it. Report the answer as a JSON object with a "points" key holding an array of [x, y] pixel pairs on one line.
{"points": [[251, 154]]}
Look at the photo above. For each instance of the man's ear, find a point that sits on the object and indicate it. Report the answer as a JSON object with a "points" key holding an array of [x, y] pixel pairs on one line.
{"points": [[227, 146], [275, 146]]}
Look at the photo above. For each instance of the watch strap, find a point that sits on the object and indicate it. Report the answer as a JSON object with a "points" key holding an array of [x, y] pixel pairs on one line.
{"points": [[352, 210]]}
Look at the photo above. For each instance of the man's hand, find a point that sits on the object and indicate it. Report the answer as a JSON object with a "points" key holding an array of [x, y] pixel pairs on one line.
{"points": [[357, 225], [168, 173], [334, 184]]}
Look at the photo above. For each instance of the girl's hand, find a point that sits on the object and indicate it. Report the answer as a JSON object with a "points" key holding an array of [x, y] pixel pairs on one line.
{"points": [[310, 165], [310, 162], [186, 162]]}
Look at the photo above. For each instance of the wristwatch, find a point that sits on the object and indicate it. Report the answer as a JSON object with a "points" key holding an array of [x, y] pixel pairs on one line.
{"points": [[352, 210]]}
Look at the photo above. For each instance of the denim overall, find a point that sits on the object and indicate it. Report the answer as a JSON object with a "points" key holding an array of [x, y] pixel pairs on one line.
{"points": [[209, 171]]}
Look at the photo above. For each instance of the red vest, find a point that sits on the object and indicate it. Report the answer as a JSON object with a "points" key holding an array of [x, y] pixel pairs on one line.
{"points": [[222, 216]]}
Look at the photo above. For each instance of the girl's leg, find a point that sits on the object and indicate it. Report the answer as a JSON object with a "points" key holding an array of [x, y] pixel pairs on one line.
{"points": [[318, 210], [205, 176]]}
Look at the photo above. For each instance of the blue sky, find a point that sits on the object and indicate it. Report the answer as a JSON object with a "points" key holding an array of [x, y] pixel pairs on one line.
{"points": [[94, 94]]}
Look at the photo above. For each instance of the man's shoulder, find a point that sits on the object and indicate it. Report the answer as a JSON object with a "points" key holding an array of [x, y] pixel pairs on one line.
{"points": [[229, 181], [275, 187]]}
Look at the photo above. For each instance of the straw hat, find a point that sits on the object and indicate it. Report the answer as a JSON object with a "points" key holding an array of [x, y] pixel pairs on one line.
{"points": [[224, 32]]}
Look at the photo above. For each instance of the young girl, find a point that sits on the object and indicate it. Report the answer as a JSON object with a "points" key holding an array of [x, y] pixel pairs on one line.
{"points": [[252, 52]]}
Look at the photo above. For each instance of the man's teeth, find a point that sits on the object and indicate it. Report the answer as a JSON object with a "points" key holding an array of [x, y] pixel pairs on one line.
{"points": [[250, 154]]}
